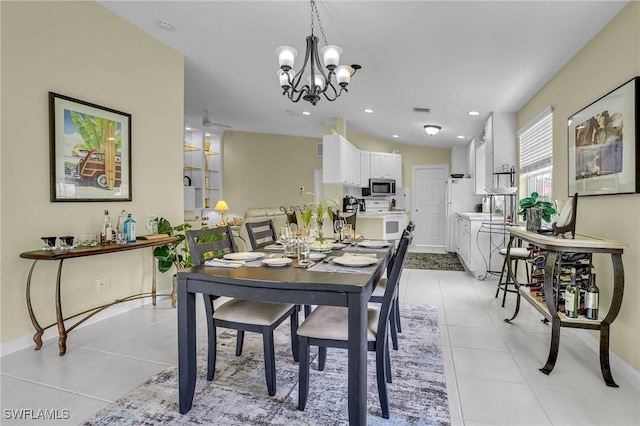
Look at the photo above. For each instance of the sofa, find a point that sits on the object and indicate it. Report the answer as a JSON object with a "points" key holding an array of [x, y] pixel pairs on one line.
{"points": [[255, 214]]}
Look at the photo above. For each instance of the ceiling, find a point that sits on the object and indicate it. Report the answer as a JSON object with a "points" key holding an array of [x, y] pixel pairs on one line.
{"points": [[449, 56]]}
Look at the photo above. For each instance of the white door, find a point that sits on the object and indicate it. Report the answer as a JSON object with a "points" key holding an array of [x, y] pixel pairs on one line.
{"points": [[429, 183]]}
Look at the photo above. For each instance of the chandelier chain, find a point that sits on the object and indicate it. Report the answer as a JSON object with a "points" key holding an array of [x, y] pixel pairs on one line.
{"points": [[314, 6]]}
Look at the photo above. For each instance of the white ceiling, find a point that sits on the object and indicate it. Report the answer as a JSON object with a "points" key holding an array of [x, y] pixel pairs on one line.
{"points": [[449, 56]]}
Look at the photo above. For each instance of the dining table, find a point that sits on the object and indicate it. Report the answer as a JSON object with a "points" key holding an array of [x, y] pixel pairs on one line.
{"points": [[322, 284]]}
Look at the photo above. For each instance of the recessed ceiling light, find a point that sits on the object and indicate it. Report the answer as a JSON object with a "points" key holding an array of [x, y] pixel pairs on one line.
{"points": [[165, 26], [395, 136], [207, 134], [473, 113], [368, 110], [460, 137], [187, 128], [306, 113]]}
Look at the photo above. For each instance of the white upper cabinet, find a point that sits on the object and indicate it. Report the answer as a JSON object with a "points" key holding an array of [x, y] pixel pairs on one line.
{"points": [[386, 166], [365, 168], [340, 162], [495, 147]]}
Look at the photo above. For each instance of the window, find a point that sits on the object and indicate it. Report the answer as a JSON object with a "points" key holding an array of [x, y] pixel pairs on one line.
{"points": [[536, 154]]}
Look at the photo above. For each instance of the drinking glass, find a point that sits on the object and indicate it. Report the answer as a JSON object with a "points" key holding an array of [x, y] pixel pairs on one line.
{"points": [[284, 235], [49, 243], [66, 242], [348, 232], [338, 226], [291, 248], [304, 254]]}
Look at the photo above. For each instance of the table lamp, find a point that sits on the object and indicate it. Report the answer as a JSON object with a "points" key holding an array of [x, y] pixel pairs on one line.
{"points": [[221, 206]]}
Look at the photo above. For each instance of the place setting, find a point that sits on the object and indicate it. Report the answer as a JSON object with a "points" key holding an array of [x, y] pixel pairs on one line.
{"points": [[348, 263], [237, 259]]}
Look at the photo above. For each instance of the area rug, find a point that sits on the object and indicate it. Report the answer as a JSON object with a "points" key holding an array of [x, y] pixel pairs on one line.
{"points": [[238, 394], [436, 261]]}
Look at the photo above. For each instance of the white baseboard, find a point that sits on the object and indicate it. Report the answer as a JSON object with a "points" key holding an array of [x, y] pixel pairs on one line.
{"points": [[26, 341], [615, 362]]}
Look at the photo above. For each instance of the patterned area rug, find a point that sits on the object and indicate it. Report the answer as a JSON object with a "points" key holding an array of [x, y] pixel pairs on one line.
{"points": [[238, 394], [440, 262]]}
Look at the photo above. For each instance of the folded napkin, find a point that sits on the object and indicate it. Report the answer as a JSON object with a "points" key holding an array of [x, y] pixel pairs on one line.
{"points": [[222, 263], [375, 256]]}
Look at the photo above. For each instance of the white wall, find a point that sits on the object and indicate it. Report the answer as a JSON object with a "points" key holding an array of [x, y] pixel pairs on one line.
{"points": [[81, 50]]}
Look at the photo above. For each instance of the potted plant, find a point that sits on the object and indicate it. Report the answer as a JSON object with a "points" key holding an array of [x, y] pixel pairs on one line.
{"points": [[320, 211], [532, 209], [173, 254]]}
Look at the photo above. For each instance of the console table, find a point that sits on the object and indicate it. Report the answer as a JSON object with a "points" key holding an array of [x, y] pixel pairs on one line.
{"points": [[555, 246], [62, 255]]}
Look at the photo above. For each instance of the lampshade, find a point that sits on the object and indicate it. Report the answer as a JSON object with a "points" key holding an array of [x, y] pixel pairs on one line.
{"points": [[432, 129], [221, 206]]}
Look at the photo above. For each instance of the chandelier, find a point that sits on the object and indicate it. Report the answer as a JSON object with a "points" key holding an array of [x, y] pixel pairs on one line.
{"points": [[318, 81]]}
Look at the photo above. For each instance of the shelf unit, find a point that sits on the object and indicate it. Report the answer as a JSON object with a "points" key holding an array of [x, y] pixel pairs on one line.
{"points": [[495, 229], [202, 170]]}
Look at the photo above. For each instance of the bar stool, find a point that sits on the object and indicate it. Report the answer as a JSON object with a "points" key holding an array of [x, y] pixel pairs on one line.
{"points": [[517, 254]]}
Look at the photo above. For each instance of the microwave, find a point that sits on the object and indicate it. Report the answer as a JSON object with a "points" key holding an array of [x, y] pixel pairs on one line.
{"points": [[380, 188]]}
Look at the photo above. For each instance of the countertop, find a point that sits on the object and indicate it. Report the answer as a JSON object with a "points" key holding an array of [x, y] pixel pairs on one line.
{"points": [[478, 216]]}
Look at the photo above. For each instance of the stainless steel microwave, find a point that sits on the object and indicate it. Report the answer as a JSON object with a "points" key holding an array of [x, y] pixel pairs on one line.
{"points": [[380, 188]]}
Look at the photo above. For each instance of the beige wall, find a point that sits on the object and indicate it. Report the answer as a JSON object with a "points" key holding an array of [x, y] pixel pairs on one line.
{"points": [[265, 170], [607, 61], [81, 50]]}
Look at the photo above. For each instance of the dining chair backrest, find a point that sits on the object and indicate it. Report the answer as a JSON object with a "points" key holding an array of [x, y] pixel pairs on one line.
{"points": [[205, 244], [292, 216], [393, 277], [351, 220], [261, 233], [411, 226]]}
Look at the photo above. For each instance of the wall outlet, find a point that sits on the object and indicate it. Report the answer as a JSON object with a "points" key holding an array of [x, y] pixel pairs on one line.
{"points": [[103, 283]]}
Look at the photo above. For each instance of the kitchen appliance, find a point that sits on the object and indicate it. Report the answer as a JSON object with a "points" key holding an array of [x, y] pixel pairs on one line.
{"points": [[380, 188], [361, 205], [350, 204], [460, 197]]}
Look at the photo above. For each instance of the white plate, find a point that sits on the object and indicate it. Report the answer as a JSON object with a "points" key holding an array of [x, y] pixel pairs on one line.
{"points": [[317, 256], [277, 261], [337, 246], [244, 255], [355, 260], [374, 244]]}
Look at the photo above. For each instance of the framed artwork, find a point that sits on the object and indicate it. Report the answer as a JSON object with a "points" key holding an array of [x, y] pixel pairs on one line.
{"points": [[89, 152], [604, 153]]}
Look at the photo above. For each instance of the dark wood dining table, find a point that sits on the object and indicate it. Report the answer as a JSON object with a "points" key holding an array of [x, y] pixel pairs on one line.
{"points": [[284, 284]]}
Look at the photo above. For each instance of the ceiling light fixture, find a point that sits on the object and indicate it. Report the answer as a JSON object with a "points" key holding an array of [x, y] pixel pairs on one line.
{"points": [[473, 113], [432, 129], [368, 110], [395, 136], [165, 26], [460, 137], [306, 113], [290, 79]]}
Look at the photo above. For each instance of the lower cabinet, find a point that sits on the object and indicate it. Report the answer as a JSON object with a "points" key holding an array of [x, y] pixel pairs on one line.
{"points": [[478, 245]]}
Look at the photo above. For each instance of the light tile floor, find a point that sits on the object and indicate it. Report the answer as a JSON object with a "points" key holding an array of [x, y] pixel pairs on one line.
{"points": [[491, 366]]}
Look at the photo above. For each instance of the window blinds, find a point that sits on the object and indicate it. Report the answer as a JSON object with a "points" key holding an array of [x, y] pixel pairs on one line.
{"points": [[536, 143]]}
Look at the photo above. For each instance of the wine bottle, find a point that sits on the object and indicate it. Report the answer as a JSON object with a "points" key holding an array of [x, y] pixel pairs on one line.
{"points": [[106, 234], [591, 298], [572, 296]]}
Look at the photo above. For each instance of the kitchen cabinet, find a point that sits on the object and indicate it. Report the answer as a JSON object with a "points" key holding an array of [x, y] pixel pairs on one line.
{"points": [[384, 165], [495, 147], [365, 168], [340, 162], [475, 244], [202, 168]]}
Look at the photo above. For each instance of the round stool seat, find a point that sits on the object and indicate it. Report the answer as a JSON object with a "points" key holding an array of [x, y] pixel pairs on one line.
{"points": [[517, 253]]}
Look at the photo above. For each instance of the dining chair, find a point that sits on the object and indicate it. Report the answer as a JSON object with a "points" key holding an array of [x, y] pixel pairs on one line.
{"points": [[292, 217], [378, 296], [261, 234], [241, 315], [327, 326]]}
